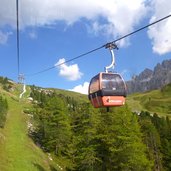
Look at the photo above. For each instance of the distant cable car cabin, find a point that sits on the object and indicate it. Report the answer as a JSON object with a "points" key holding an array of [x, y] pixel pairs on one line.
{"points": [[107, 89]]}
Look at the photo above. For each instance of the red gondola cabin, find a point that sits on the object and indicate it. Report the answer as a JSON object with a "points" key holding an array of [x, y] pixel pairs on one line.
{"points": [[107, 90]]}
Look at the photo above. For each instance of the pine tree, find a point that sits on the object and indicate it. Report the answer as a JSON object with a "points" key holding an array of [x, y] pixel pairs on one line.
{"points": [[85, 132], [121, 146], [164, 130], [54, 129], [151, 138]]}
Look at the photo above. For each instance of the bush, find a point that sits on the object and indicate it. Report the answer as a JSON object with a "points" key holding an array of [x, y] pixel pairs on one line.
{"points": [[3, 111]]}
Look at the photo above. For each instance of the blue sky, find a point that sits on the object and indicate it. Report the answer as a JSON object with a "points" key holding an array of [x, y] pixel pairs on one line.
{"points": [[55, 31]]}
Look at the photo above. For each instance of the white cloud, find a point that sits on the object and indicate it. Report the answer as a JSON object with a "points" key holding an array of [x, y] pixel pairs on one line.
{"points": [[4, 37], [81, 88], [119, 16], [113, 18], [70, 72], [160, 34]]}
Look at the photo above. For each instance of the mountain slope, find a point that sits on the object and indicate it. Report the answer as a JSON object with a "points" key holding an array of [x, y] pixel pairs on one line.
{"points": [[17, 150], [156, 101]]}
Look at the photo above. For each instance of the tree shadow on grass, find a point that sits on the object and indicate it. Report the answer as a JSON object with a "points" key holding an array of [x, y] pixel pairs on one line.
{"points": [[52, 168], [39, 167]]}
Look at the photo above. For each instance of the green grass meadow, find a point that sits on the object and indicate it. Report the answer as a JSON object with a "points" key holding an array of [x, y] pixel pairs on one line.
{"points": [[156, 101], [17, 150]]}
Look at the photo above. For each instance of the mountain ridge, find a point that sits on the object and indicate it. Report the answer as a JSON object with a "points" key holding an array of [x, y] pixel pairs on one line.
{"points": [[151, 79]]}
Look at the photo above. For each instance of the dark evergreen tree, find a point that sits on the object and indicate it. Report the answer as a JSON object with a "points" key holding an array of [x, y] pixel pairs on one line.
{"points": [[120, 142], [164, 130], [3, 111], [151, 138], [54, 130], [85, 138]]}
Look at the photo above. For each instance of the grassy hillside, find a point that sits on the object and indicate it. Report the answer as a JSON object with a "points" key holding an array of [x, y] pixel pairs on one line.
{"points": [[17, 150], [78, 96], [157, 101]]}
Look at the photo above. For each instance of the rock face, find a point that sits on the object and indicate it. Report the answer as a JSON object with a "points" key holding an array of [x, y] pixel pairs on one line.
{"points": [[150, 80]]}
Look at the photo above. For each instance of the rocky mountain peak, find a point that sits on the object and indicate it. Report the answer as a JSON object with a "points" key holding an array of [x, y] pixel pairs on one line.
{"points": [[151, 79]]}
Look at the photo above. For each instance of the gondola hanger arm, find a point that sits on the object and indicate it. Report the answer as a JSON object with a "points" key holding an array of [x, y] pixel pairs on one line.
{"points": [[111, 46]]}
